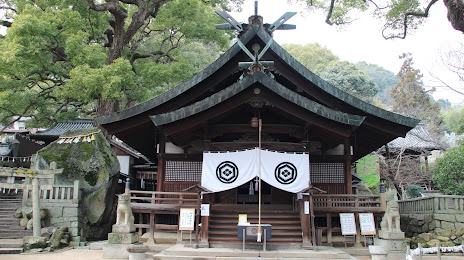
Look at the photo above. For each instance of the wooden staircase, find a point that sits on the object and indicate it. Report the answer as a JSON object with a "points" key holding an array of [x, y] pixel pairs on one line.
{"points": [[286, 225], [9, 225]]}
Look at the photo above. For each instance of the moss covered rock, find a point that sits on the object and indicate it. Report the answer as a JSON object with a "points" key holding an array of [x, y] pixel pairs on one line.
{"points": [[95, 165]]}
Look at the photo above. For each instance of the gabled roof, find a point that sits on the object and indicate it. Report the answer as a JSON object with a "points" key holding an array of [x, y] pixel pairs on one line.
{"points": [[266, 81], [418, 139], [257, 31]]}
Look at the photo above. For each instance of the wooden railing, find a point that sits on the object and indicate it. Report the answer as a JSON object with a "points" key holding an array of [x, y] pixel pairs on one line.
{"points": [[158, 202], [347, 203], [433, 204]]}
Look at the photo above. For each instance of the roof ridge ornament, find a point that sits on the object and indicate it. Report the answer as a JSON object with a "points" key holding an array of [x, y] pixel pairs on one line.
{"points": [[232, 24]]}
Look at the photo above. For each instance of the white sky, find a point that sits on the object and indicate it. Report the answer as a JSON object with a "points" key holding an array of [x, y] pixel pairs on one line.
{"points": [[362, 40]]}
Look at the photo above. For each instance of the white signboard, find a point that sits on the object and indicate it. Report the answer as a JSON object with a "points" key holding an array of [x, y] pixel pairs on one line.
{"points": [[204, 210], [306, 207], [366, 221], [348, 224], [187, 219]]}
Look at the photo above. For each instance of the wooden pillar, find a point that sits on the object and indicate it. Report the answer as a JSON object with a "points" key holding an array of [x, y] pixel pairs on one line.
{"points": [[329, 229], [160, 173], [305, 226], [348, 176]]}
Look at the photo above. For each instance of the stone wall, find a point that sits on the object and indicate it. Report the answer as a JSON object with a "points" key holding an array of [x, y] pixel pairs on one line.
{"points": [[64, 213], [417, 223]]}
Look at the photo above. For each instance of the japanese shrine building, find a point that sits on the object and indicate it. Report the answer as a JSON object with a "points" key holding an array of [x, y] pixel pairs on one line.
{"points": [[212, 111]]}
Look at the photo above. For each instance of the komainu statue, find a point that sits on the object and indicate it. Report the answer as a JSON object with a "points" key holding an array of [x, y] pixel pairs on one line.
{"points": [[124, 213], [391, 219]]}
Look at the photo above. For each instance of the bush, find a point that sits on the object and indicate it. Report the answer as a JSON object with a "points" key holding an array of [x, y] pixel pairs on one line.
{"points": [[448, 172], [414, 191]]}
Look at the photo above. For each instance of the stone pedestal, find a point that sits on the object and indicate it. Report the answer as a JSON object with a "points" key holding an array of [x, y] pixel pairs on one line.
{"points": [[395, 245], [391, 235], [137, 252], [378, 252], [122, 236]]}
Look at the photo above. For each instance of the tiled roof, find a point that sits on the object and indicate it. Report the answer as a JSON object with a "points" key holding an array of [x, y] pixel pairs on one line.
{"points": [[60, 128], [416, 139]]}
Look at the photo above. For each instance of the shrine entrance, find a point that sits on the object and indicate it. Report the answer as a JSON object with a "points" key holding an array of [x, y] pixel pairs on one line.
{"points": [[248, 194]]}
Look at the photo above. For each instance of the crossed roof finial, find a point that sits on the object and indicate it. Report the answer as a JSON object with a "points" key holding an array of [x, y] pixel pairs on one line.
{"points": [[232, 24]]}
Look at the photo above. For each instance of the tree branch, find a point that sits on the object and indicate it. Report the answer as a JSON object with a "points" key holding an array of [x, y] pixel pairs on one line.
{"points": [[406, 19]]}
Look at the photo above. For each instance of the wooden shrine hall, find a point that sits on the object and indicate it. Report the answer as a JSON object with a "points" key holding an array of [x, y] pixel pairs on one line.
{"points": [[220, 109]]}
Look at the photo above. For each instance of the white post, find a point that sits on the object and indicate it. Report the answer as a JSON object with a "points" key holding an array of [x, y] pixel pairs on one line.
{"points": [[35, 208]]}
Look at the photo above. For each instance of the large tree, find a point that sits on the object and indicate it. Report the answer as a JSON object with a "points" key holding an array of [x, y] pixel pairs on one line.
{"points": [[399, 16], [411, 98], [63, 58]]}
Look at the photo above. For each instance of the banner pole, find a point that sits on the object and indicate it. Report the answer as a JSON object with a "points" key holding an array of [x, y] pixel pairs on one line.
{"points": [[259, 183]]}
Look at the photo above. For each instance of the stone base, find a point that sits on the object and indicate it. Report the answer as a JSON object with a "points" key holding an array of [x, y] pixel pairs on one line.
{"points": [[115, 251], [123, 238], [31, 242], [396, 235], [391, 245], [120, 228]]}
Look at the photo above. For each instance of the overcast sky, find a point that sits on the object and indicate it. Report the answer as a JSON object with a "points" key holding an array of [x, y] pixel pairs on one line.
{"points": [[362, 40]]}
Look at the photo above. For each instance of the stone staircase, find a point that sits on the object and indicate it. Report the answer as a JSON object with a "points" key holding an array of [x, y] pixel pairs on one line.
{"points": [[180, 252], [286, 227], [11, 233]]}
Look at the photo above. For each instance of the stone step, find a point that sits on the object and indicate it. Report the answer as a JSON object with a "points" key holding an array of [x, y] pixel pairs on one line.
{"points": [[11, 243], [4, 251], [180, 252]]}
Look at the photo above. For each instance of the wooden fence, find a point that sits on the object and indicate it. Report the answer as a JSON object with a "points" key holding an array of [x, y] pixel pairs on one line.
{"points": [[433, 204], [347, 203]]}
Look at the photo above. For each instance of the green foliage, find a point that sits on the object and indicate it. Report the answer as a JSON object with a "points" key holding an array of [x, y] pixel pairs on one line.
{"points": [[341, 9], [312, 55], [414, 191], [349, 78], [454, 120], [343, 75], [448, 172], [399, 16], [55, 59], [368, 170], [384, 79]]}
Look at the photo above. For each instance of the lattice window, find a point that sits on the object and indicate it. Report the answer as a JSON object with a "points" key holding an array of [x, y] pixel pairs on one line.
{"points": [[327, 173], [183, 171]]}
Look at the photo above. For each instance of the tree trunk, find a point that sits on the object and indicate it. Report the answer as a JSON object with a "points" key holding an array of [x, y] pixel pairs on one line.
{"points": [[456, 13], [106, 107]]}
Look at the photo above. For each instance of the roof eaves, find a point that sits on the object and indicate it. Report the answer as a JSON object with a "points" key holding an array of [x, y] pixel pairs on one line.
{"points": [[332, 90], [197, 107]]}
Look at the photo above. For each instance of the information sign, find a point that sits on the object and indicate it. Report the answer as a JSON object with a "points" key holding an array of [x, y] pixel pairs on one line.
{"points": [[348, 224], [187, 219], [366, 221]]}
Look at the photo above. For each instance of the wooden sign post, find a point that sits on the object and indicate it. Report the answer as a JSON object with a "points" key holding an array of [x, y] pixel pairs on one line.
{"points": [[186, 222]]}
